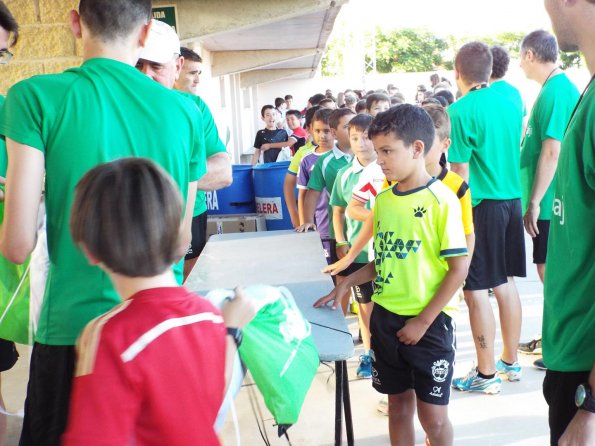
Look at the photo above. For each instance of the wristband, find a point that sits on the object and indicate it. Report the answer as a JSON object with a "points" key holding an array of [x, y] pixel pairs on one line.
{"points": [[236, 334], [339, 244]]}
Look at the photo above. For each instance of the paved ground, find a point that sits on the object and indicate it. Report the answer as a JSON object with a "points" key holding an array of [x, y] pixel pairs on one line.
{"points": [[517, 416]]}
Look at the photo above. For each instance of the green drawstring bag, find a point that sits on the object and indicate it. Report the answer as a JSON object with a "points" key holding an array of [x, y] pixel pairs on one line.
{"points": [[278, 350], [14, 299]]}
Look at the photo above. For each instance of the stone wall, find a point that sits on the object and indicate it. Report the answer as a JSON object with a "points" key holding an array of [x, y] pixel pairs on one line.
{"points": [[46, 44]]}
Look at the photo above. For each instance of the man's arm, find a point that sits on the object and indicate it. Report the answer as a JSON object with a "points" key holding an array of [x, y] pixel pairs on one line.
{"points": [[289, 195], [581, 429], [24, 184], [186, 228], [546, 169], [310, 201], [218, 173], [462, 169]]}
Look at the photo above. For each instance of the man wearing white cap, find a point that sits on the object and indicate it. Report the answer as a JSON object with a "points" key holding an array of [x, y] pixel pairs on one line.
{"points": [[160, 60]]}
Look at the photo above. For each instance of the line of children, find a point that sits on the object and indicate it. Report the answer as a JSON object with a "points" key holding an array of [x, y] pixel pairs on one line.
{"points": [[420, 262]]}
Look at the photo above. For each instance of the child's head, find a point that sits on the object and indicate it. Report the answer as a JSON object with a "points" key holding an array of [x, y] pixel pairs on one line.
{"points": [[269, 116], [293, 118], [289, 100], [442, 138], [500, 62], [338, 122], [377, 103], [328, 103], [126, 216], [321, 130], [360, 107], [360, 143], [473, 64], [280, 103], [315, 99], [401, 136]]}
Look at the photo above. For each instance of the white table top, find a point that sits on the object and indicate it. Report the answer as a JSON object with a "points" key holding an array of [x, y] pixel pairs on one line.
{"points": [[277, 258]]}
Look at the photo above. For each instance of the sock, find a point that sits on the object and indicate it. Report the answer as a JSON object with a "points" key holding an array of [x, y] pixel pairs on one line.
{"points": [[507, 363], [481, 375]]}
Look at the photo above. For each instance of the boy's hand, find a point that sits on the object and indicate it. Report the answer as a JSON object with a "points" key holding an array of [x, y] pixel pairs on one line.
{"points": [[239, 311], [336, 296], [530, 219], [341, 251], [339, 266], [413, 331], [306, 227]]}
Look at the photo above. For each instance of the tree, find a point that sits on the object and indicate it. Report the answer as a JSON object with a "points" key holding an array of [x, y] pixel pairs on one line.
{"points": [[569, 60]]}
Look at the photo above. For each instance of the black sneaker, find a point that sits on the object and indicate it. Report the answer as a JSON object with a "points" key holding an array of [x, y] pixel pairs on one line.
{"points": [[538, 363], [533, 347]]}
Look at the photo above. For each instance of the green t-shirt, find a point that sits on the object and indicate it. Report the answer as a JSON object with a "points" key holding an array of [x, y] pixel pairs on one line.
{"points": [[414, 233], [294, 165], [486, 133], [511, 92], [347, 179], [83, 117], [548, 120], [569, 309], [323, 177], [3, 155], [213, 144]]}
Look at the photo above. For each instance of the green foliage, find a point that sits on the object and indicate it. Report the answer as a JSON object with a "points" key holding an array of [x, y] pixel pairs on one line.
{"points": [[570, 60], [408, 50], [332, 60]]}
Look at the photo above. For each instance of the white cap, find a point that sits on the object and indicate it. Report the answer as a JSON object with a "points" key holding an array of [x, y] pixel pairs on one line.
{"points": [[162, 43]]}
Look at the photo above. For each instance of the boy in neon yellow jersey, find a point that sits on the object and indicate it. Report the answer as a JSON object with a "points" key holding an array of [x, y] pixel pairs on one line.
{"points": [[420, 262]]}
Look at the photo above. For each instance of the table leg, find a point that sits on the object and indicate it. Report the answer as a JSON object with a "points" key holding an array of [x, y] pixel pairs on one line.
{"points": [[347, 406], [338, 401]]}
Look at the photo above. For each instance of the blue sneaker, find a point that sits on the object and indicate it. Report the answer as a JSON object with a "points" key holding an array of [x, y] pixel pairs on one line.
{"points": [[513, 372], [364, 370], [473, 383]]}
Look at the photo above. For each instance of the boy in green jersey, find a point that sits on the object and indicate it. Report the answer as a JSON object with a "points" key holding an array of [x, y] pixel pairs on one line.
{"points": [[569, 312], [420, 262]]}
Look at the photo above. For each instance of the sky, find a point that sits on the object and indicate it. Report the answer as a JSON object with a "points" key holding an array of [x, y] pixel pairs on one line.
{"points": [[443, 17]]}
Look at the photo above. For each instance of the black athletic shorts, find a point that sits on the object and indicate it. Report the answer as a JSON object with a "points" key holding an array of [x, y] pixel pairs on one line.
{"points": [[361, 293], [48, 394], [199, 236], [330, 245], [499, 244], [8, 355], [558, 390], [426, 367], [540, 242]]}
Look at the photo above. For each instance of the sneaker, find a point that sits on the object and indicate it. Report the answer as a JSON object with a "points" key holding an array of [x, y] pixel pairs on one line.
{"points": [[382, 405], [533, 347], [364, 370], [473, 383], [540, 364], [513, 372]]}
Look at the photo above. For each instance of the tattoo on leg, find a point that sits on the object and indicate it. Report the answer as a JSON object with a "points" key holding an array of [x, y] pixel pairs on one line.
{"points": [[482, 341]]}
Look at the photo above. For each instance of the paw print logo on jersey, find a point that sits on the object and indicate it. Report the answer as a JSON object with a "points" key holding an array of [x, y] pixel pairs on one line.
{"points": [[419, 212]]}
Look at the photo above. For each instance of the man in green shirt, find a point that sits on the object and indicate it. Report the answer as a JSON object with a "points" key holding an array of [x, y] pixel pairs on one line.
{"points": [[156, 62], [569, 309], [65, 124], [541, 144], [486, 133]]}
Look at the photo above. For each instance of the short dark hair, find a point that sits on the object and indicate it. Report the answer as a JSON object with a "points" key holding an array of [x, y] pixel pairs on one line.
{"points": [[446, 94], [189, 54], [350, 100], [112, 19], [376, 97], [295, 113], [500, 62], [474, 62], [279, 102], [337, 115], [322, 115], [395, 100], [440, 119], [542, 44], [327, 101], [441, 99], [265, 108], [360, 122], [315, 100], [127, 214], [288, 97], [361, 106], [406, 122], [9, 23], [310, 115]]}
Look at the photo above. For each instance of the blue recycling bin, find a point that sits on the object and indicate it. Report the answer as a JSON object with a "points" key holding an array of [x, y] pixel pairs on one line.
{"points": [[268, 194], [235, 199]]}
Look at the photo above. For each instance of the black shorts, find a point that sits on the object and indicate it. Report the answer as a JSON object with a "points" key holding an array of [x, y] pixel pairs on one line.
{"points": [[48, 394], [499, 244], [540, 242], [558, 390], [361, 293], [330, 245], [426, 367], [8, 355], [199, 236]]}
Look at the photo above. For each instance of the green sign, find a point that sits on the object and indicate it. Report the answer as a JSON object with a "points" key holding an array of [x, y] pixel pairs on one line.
{"points": [[166, 14]]}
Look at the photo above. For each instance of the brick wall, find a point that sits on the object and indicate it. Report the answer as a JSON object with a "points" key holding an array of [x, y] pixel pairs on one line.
{"points": [[45, 45]]}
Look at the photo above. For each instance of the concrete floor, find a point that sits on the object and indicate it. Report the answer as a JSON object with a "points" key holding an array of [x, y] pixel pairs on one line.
{"points": [[517, 416]]}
